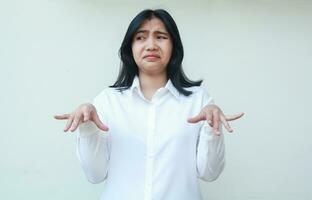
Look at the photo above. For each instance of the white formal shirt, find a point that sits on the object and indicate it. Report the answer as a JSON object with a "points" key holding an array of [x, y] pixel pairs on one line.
{"points": [[150, 152]]}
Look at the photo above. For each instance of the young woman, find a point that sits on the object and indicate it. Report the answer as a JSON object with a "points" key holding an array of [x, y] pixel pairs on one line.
{"points": [[154, 132]]}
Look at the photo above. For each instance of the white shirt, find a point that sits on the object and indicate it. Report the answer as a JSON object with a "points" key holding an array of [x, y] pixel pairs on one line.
{"points": [[150, 152]]}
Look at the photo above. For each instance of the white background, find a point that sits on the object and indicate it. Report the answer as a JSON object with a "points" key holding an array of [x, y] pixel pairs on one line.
{"points": [[254, 56]]}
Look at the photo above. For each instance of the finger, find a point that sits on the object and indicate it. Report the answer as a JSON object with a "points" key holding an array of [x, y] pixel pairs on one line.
{"points": [[209, 118], [76, 122], [69, 123], [234, 117], [98, 122], [226, 124], [86, 116], [197, 118], [61, 117], [216, 120]]}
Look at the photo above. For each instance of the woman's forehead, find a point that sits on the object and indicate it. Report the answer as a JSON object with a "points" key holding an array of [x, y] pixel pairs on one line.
{"points": [[154, 25]]}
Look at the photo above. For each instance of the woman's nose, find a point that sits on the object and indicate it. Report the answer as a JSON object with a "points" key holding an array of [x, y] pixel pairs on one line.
{"points": [[151, 45]]}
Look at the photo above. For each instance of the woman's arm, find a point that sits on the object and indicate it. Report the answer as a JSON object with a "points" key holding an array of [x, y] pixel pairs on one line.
{"points": [[93, 140], [210, 159], [210, 154], [93, 147], [93, 144]]}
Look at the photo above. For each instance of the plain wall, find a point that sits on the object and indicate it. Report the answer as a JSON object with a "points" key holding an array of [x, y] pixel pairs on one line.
{"points": [[254, 56]]}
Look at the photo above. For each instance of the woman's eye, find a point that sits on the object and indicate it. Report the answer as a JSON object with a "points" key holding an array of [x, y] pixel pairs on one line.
{"points": [[139, 38], [161, 37]]}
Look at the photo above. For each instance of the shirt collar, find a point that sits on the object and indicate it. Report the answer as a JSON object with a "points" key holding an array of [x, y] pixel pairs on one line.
{"points": [[169, 86], [173, 89], [135, 84]]}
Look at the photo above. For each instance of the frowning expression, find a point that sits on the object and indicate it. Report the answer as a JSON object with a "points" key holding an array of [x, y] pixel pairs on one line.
{"points": [[152, 47]]}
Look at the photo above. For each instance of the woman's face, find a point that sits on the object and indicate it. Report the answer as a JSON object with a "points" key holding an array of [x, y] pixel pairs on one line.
{"points": [[152, 47]]}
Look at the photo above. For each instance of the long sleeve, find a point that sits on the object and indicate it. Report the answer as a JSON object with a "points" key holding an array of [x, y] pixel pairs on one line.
{"points": [[210, 149], [210, 154], [93, 149]]}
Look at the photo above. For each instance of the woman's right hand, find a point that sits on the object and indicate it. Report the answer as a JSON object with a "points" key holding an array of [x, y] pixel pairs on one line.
{"points": [[85, 112]]}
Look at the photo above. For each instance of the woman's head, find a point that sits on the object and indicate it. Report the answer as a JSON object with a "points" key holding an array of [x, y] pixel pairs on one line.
{"points": [[161, 40], [152, 47]]}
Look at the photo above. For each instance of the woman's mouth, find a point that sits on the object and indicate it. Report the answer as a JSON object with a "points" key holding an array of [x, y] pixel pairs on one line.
{"points": [[151, 57]]}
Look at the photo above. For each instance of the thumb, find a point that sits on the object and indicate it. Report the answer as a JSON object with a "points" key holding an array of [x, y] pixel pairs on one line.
{"points": [[196, 119], [60, 117], [234, 117], [99, 123]]}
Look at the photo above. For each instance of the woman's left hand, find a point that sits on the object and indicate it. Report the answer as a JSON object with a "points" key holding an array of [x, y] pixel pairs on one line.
{"points": [[215, 117]]}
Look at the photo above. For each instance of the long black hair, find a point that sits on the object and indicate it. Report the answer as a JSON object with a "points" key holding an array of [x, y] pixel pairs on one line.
{"points": [[129, 69]]}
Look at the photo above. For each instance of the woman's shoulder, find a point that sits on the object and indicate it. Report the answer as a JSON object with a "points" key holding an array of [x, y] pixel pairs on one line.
{"points": [[200, 93], [106, 92], [112, 93], [197, 90]]}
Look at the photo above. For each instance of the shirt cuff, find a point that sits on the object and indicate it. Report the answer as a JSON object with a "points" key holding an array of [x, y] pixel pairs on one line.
{"points": [[88, 129], [207, 133]]}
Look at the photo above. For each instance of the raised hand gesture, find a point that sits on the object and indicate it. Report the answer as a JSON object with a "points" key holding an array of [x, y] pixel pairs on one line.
{"points": [[215, 117], [85, 112]]}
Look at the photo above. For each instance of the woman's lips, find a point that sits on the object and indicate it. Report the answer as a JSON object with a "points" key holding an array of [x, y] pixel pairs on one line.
{"points": [[152, 57]]}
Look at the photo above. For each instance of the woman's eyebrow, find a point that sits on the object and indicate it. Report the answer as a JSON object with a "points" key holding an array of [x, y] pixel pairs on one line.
{"points": [[157, 32], [141, 31], [161, 32]]}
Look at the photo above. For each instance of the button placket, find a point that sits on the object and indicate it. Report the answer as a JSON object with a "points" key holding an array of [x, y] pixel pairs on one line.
{"points": [[150, 152]]}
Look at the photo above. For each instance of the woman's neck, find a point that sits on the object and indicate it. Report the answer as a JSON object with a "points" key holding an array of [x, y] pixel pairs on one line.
{"points": [[150, 84]]}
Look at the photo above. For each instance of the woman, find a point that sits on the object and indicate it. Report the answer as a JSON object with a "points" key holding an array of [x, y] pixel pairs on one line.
{"points": [[140, 135]]}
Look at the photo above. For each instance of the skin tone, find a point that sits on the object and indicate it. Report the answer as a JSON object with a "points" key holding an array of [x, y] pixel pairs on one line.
{"points": [[152, 49], [85, 112], [215, 118]]}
